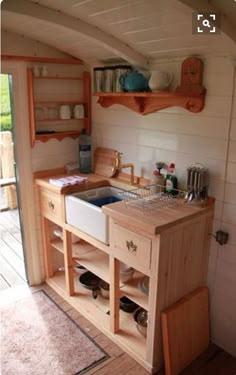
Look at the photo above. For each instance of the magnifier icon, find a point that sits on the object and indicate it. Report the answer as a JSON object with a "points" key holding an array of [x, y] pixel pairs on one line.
{"points": [[206, 23]]}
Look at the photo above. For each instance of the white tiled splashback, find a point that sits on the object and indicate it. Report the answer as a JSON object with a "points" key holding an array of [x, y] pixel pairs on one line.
{"points": [[208, 137]]}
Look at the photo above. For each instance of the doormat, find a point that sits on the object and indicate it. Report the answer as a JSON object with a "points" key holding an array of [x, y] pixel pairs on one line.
{"points": [[38, 338]]}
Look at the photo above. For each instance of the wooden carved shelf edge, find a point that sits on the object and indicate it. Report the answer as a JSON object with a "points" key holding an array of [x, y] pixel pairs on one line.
{"points": [[58, 136], [148, 104], [189, 95]]}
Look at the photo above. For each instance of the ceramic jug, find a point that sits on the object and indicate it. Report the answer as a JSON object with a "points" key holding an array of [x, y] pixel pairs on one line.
{"points": [[160, 80], [79, 111], [133, 82], [65, 112]]}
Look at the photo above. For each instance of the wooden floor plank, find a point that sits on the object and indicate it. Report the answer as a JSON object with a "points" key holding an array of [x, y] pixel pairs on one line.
{"points": [[8, 273], [15, 261], [13, 216], [8, 224], [214, 361], [13, 244], [16, 233], [3, 283]]}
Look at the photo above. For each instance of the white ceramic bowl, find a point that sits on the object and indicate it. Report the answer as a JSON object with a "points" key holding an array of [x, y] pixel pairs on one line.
{"points": [[58, 233], [126, 275], [80, 269], [124, 267]]}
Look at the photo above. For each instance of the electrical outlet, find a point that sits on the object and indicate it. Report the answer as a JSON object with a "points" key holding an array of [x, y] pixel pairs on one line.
{"points": [[222, 237]]}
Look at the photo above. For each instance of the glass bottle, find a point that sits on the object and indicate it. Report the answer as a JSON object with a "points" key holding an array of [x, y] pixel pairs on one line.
{"points": [[85, 159]]}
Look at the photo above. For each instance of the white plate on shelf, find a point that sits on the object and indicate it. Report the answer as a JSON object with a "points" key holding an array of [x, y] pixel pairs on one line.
{"points": [[144, 285]]}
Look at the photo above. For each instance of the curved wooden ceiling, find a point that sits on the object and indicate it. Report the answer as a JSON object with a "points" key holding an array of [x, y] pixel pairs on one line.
{"points": [[138, 31]]}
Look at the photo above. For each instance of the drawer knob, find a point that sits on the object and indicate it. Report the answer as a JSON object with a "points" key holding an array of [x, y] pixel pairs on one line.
{"points": [[51, 205], [131, 246]]}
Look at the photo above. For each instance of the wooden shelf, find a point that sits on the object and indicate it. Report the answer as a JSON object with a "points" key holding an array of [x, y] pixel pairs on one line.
{"points": [[130, 336], [59, 120], [58, 245], [83, 300], [36, 97], [59, 136], [132, 291], [148, 102], [58, 77], [92, 259], [96, 310], [59, 102]]}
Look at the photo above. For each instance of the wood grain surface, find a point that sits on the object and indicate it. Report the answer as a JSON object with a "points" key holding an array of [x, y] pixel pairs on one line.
{"points": [[185, 328], [105, 161]]}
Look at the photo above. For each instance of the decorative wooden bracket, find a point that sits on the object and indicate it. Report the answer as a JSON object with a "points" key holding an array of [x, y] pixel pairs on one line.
{"points": [[145, 103]]}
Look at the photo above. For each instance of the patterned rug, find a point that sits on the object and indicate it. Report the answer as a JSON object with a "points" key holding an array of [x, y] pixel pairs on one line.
{"points": [[38, 338]]}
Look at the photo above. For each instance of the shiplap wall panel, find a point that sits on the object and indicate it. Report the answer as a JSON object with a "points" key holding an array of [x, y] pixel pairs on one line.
{"points": [[25, 45], [58, 154], [176, 135]]}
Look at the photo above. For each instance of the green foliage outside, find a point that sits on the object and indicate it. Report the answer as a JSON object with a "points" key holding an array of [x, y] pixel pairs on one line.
{"points": [[5, 109]]}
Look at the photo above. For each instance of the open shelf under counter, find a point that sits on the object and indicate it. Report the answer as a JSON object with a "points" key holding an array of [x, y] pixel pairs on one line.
{"points": [[58, 245], [130, 336], [132, 291], [95, 309], [92, 259]]}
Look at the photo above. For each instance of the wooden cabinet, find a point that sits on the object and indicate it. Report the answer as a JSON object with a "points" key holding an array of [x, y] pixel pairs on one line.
{"points": [[172, 254], [47, 94]]}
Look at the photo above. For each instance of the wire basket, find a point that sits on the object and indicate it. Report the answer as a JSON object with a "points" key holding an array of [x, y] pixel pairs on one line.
{"points": [[152, 198]]}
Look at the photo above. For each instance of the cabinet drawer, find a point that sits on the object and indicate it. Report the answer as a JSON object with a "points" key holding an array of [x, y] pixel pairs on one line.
{"points": [[51, 205], [131, 247]]}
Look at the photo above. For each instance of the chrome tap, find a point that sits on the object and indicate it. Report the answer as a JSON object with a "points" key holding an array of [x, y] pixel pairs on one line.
{"points": [[120, 166]]}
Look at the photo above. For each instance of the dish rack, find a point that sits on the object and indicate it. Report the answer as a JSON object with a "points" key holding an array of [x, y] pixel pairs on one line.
{"points": [[151, 198]]}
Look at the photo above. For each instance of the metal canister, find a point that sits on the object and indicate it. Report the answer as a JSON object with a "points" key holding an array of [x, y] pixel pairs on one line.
{"points": [[109, 78], [119, 70], [98, 79]]}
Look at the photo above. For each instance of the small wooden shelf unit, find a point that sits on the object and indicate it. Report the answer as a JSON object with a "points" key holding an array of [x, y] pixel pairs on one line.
{"points": [[43, 129]]}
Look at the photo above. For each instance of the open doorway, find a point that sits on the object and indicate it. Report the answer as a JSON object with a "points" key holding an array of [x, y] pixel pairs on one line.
{"points": [[13, 270]]}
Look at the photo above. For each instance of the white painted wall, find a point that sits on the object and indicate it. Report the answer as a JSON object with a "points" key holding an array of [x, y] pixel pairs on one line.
{"points": [[208, 137]]}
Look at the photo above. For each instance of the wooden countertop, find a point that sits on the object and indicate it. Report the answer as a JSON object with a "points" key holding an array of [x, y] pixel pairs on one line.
{"points": [[93, 181], [151, 223], [155, 222]]}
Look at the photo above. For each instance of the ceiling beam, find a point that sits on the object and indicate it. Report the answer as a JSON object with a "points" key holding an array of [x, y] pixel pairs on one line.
{"points": [[39, 12], [204, 6]]}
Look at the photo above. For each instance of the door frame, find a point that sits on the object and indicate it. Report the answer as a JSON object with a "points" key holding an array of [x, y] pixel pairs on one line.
{"points": [[24, 171]]}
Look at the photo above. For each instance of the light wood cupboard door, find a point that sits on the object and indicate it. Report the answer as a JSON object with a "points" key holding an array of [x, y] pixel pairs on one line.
{"points": [[131, 248]]}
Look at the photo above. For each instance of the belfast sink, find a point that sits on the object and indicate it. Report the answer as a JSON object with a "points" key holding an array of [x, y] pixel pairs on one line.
{"points": [[83, 211]]}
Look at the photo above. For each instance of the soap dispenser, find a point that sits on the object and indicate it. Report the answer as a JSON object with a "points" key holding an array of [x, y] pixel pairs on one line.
{"points": [[171, 181]]}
